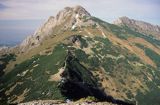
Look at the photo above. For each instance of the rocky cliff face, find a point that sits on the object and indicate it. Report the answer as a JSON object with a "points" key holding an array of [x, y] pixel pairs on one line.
{"points": [[139, 26], [68, 19]]}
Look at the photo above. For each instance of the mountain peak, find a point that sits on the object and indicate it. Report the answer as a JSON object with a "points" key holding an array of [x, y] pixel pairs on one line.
{"points": [[76, 9], [122, 20], [127, 20], [80, 10], [124, 17], [73, 10], [139, 26], [69, 18]]}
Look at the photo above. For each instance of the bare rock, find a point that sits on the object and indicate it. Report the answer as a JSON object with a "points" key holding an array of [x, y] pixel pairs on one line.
{"points": [[139, 26], [69, 18]]}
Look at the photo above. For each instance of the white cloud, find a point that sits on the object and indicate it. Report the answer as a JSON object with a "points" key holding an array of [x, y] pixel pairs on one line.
{"points": [[105, 9]]}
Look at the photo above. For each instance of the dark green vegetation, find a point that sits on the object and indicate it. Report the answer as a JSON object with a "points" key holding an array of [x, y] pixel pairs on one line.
{"points": [[150, 97], [116, 30], [31, 79], [118, 62], [107, 56], [4, 60], [124, 32], [81, 66], [76, 77], [150, 53], [33, 76], [154, 56], [149, 38], [78, 82]]}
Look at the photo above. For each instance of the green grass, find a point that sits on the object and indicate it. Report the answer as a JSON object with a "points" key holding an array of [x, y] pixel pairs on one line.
{"points": [[103, 40], [116, 30], [81, 55], [149, 98], [84, 43], [82, 72], [37, 80], [151, 54], [140, 45], [5, 60], [124, 32], [148, 38], [117, 62]]}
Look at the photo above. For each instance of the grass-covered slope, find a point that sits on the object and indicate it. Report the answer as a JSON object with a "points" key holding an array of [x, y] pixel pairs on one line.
{"points": [[121, 63], [4, 60], [29, 80], [121, 73], [97, 63]]}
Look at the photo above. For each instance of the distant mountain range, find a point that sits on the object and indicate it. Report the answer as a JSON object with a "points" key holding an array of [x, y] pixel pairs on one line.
{"points": [[78, 57], [139, 26]]}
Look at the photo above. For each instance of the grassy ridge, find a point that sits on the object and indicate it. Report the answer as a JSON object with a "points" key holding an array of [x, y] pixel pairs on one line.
{"points": [[118, 64]]}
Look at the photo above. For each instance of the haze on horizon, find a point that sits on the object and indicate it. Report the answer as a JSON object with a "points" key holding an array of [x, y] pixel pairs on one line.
{"points": [[19, 18]]}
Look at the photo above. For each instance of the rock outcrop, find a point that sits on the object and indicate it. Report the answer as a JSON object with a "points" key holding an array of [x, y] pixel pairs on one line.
{"points": [[68, 19], [139, 26], [53, 102]]}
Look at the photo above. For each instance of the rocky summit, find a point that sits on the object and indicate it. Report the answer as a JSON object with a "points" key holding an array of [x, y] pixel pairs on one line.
{"points": [[76, 58], [68, 18]]}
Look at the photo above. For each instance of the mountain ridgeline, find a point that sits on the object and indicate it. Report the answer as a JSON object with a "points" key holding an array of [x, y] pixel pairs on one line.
{"points": [[75, 55]]}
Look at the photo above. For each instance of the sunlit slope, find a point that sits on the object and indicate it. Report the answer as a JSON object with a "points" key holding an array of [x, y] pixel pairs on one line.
{"points": [[111, 60]]}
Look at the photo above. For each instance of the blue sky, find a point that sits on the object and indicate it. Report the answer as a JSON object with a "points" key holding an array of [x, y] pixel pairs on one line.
{"points": [[19, 18]]}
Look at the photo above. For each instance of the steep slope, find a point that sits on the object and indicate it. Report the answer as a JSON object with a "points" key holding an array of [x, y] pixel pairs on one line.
{"points": [[76, 51], [38, 72], [67, 19]]}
